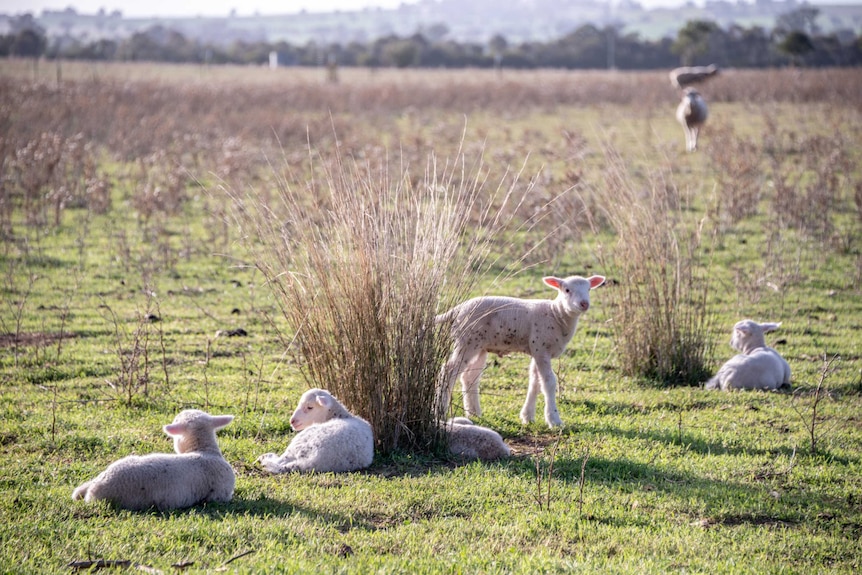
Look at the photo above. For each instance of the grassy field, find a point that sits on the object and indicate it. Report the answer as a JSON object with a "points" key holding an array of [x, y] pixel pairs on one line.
{"points": [[129, 293]]}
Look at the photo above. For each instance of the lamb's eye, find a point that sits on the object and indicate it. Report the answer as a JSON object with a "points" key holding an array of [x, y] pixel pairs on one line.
{"points": [[568, 290]]}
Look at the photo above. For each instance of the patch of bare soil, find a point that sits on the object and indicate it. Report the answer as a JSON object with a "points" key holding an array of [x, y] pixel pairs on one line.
{"points": [[32, 339]]}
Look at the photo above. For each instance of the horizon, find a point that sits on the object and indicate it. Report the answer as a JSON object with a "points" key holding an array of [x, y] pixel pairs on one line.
{"points": [[217, 8]]}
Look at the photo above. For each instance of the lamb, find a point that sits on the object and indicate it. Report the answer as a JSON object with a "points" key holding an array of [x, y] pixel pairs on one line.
{"points": [[196, 473], [491, 324], [689, 75], [758, 366], [691, 113], [330, 438], [472, 441]]}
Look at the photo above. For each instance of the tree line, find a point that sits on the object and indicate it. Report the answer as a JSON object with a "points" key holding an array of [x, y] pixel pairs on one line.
{"points": [[795, 39]]}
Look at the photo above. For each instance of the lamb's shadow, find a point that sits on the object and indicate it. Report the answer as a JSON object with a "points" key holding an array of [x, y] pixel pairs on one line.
{"points": [[625, 476], [265, 507], [684, 438]]}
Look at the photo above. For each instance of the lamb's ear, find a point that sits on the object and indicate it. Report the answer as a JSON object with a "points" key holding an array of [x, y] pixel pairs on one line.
{"points": [[220, 421], [553, 282], [324, 400], [596, 281], [770, 326], [175, 429]]}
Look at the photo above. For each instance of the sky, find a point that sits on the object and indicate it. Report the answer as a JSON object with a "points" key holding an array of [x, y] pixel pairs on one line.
{"points": [[165, 8], [138, 8], [173, 8]]}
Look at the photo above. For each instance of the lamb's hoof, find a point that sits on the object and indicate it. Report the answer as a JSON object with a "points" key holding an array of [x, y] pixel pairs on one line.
{"points": [[266, 458], [526, 419], [553, 420]]}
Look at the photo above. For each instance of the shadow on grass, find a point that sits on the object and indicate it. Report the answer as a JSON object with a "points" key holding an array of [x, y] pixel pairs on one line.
{"points": [[262, 506]]}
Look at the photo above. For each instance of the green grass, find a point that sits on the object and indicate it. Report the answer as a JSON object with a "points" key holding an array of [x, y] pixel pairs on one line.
{"points": [[675, 479]]}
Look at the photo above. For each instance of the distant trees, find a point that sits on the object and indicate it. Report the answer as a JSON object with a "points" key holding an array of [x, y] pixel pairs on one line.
{"points": [[795, 40], [796, 44], [693, 40], [26, 38]]}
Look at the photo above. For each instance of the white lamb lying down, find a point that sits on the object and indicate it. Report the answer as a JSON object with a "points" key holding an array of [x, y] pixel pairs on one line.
{"points": [[196, 473], [330, 438], [493, 324], [758, 366], [472, 441]]}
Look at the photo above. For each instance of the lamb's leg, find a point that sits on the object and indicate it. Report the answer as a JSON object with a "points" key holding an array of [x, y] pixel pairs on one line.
{"points": [[528, 412], [694, 132], [274, 463], [470, 383], [448, 375], [81, 491], [548, 380]]}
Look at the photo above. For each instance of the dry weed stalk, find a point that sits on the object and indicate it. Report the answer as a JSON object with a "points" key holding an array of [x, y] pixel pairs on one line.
{"points": [[738, 173], [812, 418], [582, 479], [818, 173], [545, 471], [133, 353]]}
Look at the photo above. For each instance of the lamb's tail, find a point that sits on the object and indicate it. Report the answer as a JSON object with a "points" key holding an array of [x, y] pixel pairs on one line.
{"points": [[447, 316], [713, 383]]}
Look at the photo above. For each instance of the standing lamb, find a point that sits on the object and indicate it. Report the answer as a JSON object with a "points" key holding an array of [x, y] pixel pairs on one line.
{"points": [[472, 441], [538, 327], [330, 438], [691, 113], [197, 473], [758, 366]]}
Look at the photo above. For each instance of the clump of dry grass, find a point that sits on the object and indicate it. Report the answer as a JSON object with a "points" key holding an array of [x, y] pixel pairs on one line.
{"points": [[661, 318], [738, 174], [360, 263], [813, 185]]}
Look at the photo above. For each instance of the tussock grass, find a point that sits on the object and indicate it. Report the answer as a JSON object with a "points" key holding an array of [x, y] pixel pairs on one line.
{"points": [[360, 273], [661, 314]]}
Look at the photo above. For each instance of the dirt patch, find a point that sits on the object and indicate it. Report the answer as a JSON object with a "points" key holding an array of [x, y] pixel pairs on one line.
{"points": [[32, 339], [736, 520], [531, 445]]}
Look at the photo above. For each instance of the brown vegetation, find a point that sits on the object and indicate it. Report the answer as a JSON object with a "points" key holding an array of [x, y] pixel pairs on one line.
{"points": [[319, 159]]}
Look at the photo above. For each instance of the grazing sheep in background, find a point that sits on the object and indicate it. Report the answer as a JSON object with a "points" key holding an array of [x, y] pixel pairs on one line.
{"points": [[690, 75], [691, 113], [196, 473], [472, 441], [330, 438], [758, 366], [540, 328]]}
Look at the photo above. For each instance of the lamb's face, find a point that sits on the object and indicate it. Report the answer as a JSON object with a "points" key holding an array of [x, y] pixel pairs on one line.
{"points": [[313, 408], [574, 291]]}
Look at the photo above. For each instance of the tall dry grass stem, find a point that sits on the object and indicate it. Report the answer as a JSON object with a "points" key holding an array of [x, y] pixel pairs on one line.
{"points": [[661, 318], [360, 263], [133, 350], [808, 405], [546, 471]]}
